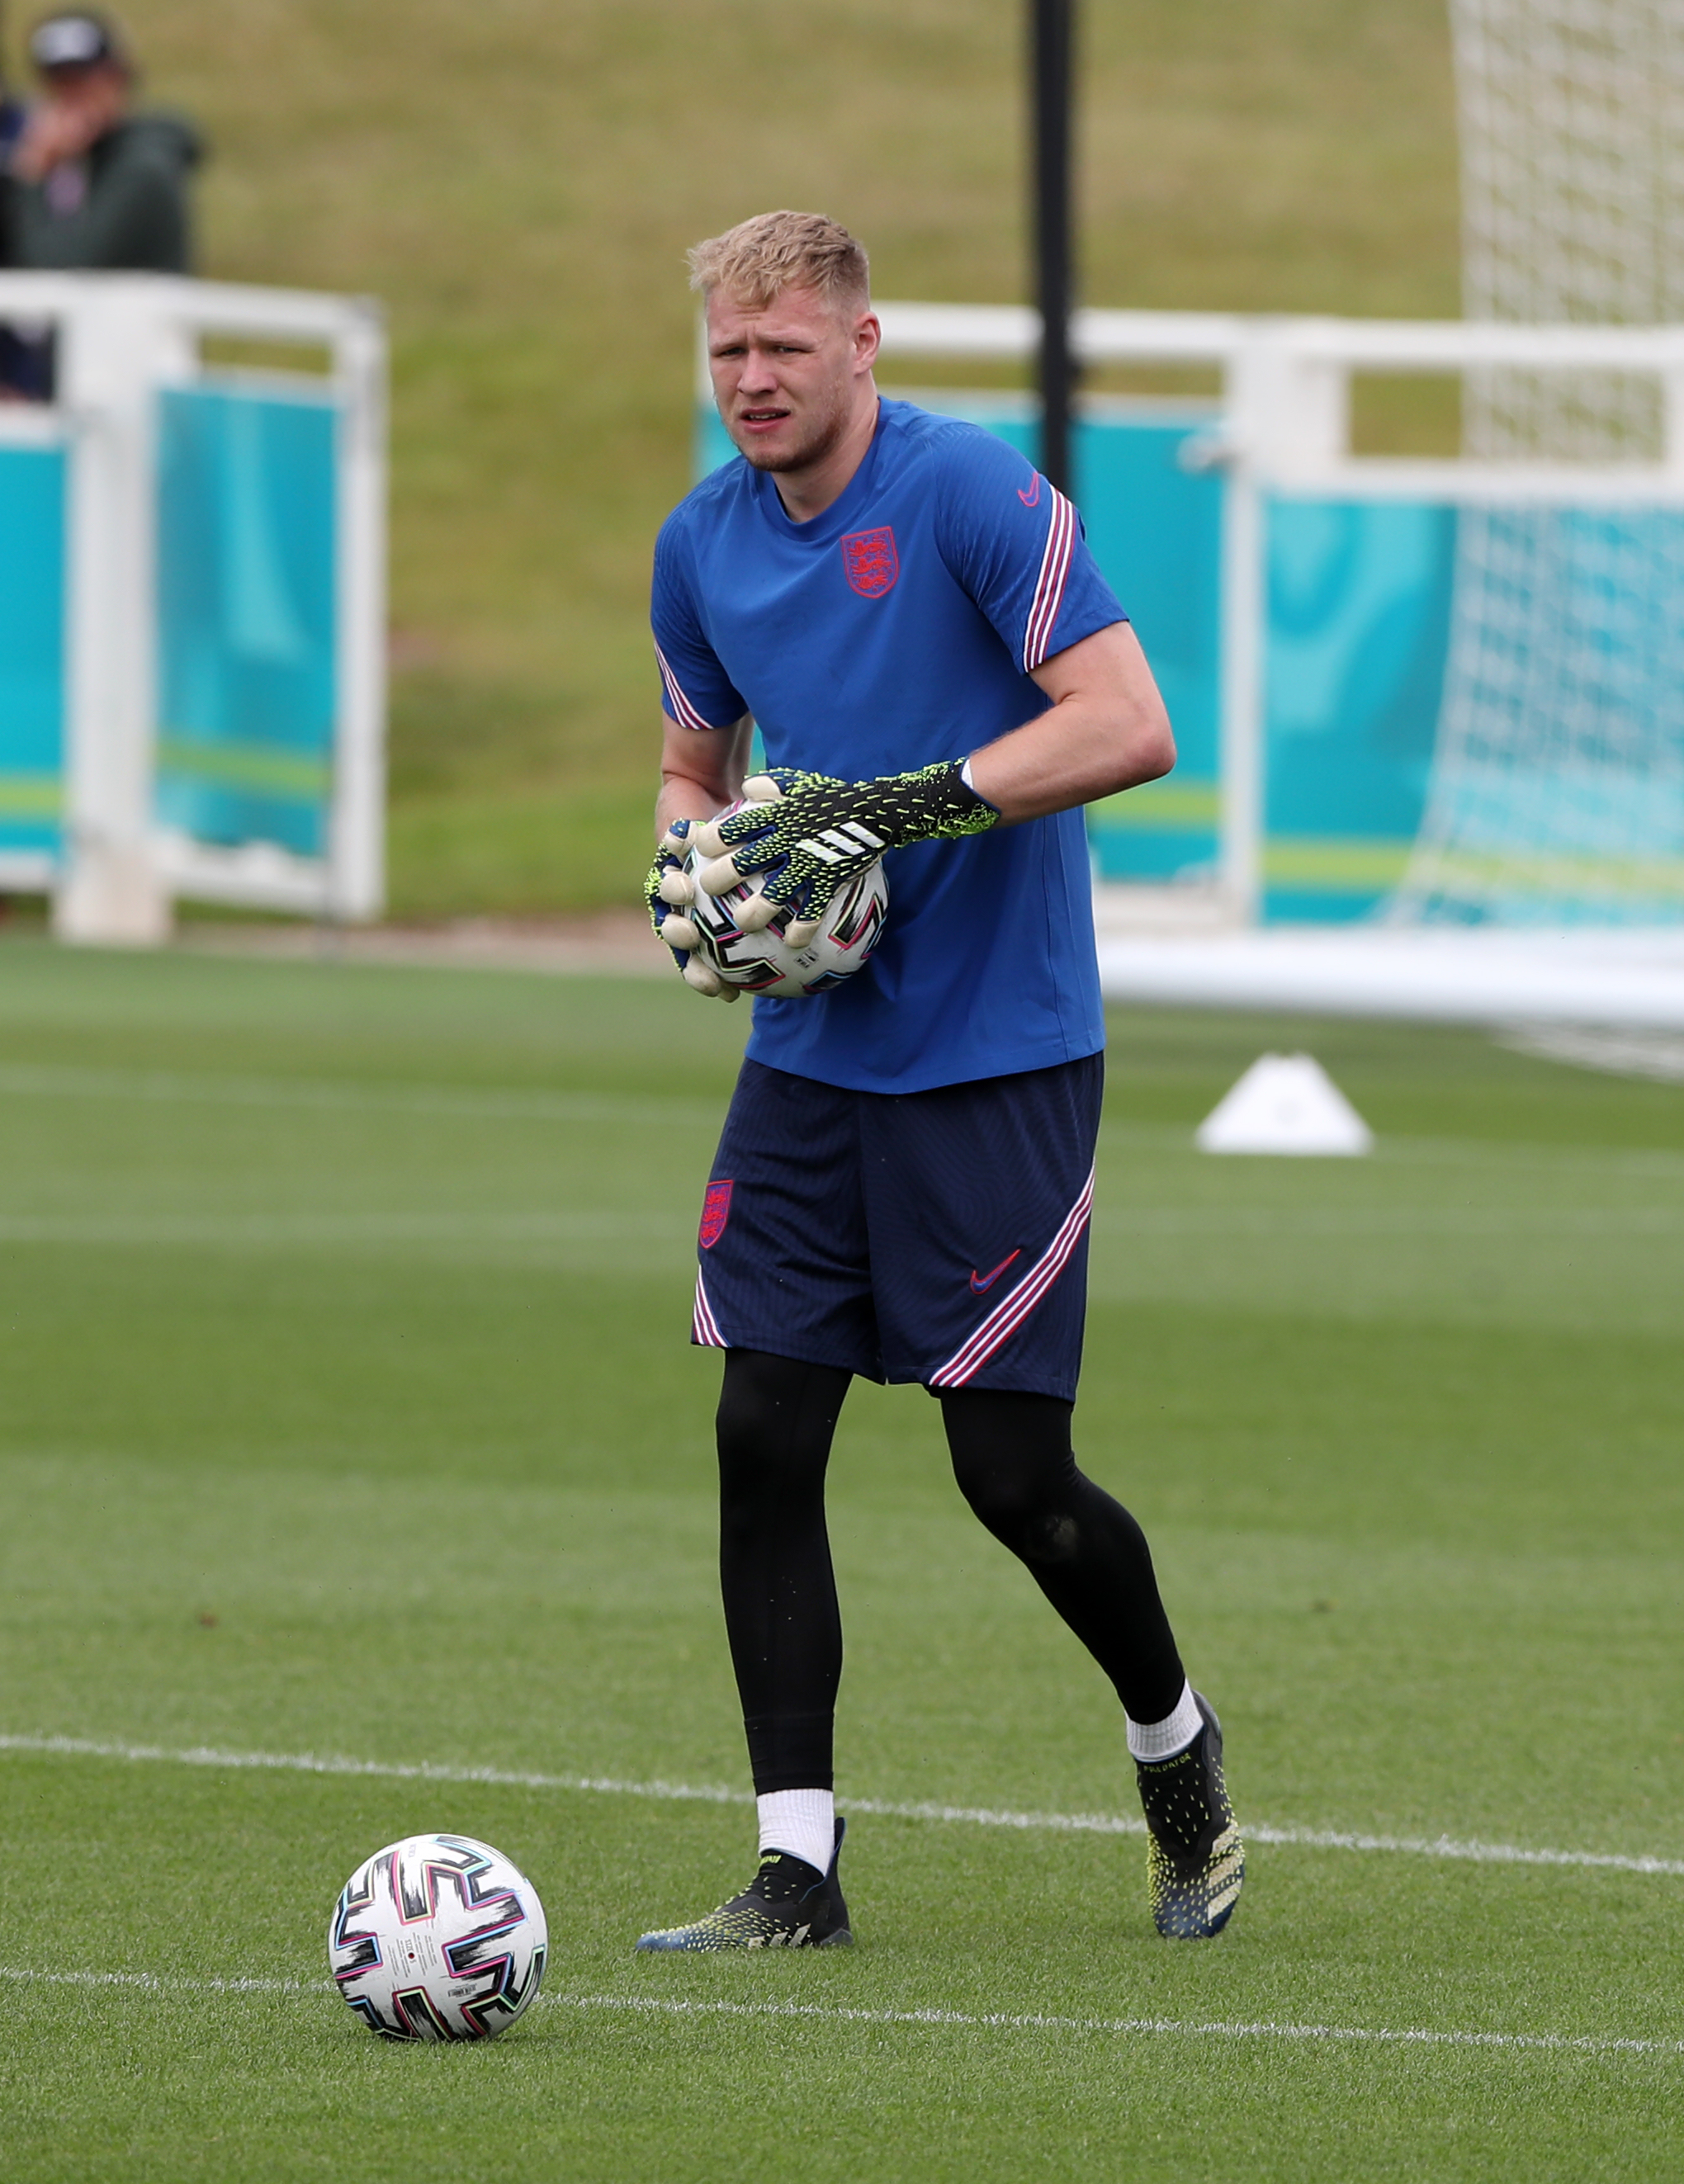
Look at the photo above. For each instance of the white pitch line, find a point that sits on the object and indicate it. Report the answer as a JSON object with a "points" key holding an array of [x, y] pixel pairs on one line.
{"points": [[1098, 1824], [1216, 2028], [1259, 1831], [165, 1982], [312, 1763], [961, 2019]]}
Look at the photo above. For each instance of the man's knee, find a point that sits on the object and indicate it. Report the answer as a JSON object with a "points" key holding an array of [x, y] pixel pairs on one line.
{"points": [[1012, 1461], [1016, 1507]]}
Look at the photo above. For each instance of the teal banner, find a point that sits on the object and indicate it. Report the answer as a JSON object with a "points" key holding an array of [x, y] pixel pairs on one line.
{"points": [[248, 617], [32, 483], [1357, 630]]}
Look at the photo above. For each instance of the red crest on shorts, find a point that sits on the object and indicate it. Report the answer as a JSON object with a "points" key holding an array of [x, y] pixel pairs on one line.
{"points": [[871, 561], [715, 1212]]}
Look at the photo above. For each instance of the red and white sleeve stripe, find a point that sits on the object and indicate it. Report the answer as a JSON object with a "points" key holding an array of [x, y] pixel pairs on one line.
{"points": [[1016, 1306], [683, 711], [1055, 571]]}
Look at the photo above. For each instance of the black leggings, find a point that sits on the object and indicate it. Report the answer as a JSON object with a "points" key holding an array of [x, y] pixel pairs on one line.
{"points": [[1013, 1459]]}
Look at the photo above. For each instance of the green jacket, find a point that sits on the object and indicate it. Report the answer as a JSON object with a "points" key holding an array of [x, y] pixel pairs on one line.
{"points": [[132, 216]]}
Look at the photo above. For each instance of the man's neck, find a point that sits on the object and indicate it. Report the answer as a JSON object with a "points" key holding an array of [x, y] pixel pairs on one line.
{"points": [[808, 492]]}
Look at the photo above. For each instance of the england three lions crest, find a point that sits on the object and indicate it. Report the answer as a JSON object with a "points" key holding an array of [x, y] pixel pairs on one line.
{"points": [[871, 561], [715, 1212]]}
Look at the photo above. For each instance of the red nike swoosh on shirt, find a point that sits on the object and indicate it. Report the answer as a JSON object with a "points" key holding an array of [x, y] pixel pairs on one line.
{"points": [[981, 1282], [1032, 495]]}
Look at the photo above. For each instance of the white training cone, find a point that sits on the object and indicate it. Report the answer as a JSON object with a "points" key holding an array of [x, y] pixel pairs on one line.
{"points": [[1285, 1103]]}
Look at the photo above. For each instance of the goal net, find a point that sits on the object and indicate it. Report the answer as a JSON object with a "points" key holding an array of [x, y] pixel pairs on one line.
{"points": [[1556, 793]]}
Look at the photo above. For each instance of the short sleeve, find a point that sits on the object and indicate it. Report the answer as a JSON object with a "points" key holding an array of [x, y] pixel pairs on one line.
{"points": [[1017, 546], [696, 692]]}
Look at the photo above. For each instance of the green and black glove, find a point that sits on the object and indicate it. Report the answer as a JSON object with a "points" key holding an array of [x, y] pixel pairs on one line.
{"points": [[816, 834], [669, 891]]}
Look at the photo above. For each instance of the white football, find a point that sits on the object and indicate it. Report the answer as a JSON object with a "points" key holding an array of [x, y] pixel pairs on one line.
{"points": [[764, 962], [438, 1937]]}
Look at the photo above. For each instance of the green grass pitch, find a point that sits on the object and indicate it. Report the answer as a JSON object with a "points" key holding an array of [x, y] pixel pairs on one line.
{"points": [[347, 1411]]}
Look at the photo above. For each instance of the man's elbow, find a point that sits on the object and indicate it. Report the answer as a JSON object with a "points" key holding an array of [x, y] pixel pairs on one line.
{"points": [[1148, 749], [1156, 752]]}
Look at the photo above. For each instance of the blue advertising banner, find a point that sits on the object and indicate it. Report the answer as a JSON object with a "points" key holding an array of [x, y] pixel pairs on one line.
{"points": [[1356, 633], [32, 484], [248, 614]]}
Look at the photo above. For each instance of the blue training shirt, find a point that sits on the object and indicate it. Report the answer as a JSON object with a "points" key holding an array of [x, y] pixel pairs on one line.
{"points": [[897, 629]]}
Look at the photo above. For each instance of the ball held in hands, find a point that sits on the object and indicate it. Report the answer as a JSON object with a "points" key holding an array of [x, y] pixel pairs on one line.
{"points": [[821, 833]]}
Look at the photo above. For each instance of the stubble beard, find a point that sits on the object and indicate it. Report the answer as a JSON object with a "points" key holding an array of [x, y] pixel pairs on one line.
{"points": [[823, 434]]}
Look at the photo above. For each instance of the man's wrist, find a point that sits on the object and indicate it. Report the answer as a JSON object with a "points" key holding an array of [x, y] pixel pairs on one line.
{"points": [[965, 777]]}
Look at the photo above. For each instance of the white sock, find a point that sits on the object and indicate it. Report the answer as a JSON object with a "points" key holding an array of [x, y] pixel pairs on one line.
{"points": [[1162, 1740], [801, 1822]]}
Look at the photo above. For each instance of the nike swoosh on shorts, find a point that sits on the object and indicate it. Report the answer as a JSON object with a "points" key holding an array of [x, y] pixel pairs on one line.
{"points": [[982, 1283]]}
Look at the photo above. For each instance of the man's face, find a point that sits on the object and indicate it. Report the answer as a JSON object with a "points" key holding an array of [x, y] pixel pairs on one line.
{"points": [[95, 95], [787, 374]]}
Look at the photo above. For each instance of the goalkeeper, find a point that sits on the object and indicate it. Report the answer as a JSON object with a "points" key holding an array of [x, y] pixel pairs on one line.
{"points": [[909, 613]]}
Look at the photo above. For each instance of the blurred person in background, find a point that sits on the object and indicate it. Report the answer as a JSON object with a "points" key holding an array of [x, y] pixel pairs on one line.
{"points": [[13, 115], [12, 119], [90, 185]]}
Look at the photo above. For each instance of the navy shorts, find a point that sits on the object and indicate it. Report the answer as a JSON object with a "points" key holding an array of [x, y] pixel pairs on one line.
{"points": [[940, 1237]]}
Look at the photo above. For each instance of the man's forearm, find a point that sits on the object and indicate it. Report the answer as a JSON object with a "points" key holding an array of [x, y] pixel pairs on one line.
{"points": [[1072, 754], [1106, 730], [702, 774]]}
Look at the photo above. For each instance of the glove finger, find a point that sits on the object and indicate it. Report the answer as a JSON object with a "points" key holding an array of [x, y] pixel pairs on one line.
{"points": [[679, 932], [746, 826], [702, 976], [676, 841], [676, 888], [801, 930], [757, 912], [761, 788], [781, 887], [719, 876], [814, 899]]}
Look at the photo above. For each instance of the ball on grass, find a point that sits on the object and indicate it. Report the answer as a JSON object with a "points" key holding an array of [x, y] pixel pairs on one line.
{"points": [[438, 1937]]}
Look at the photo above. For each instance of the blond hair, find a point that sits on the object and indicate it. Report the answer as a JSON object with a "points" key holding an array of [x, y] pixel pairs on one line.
{"points": [[759, 258]]}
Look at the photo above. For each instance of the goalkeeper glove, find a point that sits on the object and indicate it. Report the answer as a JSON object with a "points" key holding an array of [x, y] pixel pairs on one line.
{"points": [[817, 834], [669, 891]]}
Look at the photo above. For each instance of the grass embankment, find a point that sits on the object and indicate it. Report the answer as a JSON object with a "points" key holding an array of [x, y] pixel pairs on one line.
{"points": [[348, 1411], [519, 183]]}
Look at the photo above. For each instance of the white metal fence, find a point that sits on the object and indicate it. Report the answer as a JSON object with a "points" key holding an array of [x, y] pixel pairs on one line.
{"points": [[112, 851]]}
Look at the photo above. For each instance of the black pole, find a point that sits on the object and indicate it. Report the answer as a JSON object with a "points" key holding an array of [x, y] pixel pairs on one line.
{"points": [[1052, 30]]}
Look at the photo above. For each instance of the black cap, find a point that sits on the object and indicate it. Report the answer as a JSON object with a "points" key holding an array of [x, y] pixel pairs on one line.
{"points": [[79, 39]]}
